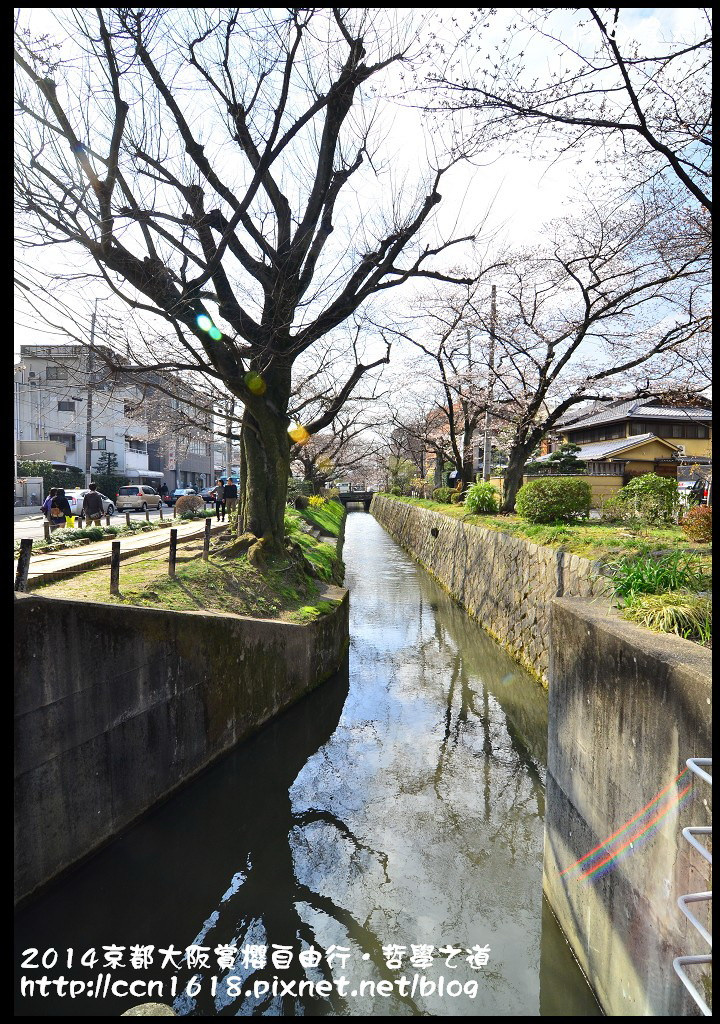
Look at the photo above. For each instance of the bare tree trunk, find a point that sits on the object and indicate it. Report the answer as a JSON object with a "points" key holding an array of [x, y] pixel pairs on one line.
{"points": [[513, 479], [265, 449]]}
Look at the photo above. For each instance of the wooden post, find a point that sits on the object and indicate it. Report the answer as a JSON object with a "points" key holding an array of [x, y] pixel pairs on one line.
{"points": [[173, 552], [107, 519], [127, 518], [79, 522], [46, 530], [23, 565], [175, 511], [160, 507], [206, 541], [147, 515], [115, 568]]}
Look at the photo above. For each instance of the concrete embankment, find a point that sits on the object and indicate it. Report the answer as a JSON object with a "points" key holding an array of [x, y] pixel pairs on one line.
{"points": [[504, 582], [116, 706], [626, 709]]}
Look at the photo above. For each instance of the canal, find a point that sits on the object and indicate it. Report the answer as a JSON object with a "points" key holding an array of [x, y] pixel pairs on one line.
{"points": [[389, 826]]}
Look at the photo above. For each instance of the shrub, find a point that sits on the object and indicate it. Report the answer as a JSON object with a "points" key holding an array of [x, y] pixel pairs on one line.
{"points": [[688, 615], [655, 498], [397, 491], [316, 501], [697, 523], [189, 503], [554, 499], [301, 502], [442, 494], [481, 497], [332, 494], [456, 497]]}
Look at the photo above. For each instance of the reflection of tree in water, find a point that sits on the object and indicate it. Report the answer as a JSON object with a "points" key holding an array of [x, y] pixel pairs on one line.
{"points": [[500, 738], [262, 906]]}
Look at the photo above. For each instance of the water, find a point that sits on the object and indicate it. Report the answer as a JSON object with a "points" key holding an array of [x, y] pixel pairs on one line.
{"points": [[400, 804]]}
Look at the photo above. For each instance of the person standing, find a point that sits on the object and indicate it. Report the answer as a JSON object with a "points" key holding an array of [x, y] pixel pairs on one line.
{"points": [[59, 510], [92, 506], [231, 497], [220, 499]]}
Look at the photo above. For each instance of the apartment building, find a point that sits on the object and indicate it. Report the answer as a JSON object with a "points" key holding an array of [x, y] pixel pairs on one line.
{"points": [[69, 409]]}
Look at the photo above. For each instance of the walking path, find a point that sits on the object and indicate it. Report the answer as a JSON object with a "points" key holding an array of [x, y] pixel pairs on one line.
{"points": [[44, 567]]}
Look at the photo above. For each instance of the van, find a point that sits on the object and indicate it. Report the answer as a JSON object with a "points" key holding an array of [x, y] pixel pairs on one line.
{"points": [[137, 496]]}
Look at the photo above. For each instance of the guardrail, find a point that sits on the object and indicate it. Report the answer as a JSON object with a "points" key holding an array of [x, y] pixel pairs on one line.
{"points": [[696, 765]]}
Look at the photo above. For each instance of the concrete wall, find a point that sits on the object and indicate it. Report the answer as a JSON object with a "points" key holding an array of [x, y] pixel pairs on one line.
{"points": [[626, 708], [117, 706], [504, 582]]}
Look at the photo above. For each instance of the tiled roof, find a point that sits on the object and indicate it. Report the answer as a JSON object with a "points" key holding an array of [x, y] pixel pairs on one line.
{"points": [[601, 449], [636, 408]]}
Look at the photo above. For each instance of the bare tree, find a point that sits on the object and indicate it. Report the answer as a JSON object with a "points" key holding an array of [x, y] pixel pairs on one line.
{"points": [[579, 79], [201, 159], [599, 309]]}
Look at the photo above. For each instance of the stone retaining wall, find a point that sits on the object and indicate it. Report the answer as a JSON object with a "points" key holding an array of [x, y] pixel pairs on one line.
{"points": [[117, 706], [504, 582]]}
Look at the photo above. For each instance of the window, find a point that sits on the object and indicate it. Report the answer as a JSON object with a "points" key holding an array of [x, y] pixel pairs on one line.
{"points": [[99, 444], [66, 407], [56, 373], [134, 444], [67, 439]]}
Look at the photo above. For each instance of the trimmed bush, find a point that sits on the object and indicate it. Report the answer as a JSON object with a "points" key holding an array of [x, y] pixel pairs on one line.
{"points": [[189, 503], [301, 502], [397, 491], [443, 494], [654, 498], [456, 497], [481, 498], [552, 500], [697, 523]]}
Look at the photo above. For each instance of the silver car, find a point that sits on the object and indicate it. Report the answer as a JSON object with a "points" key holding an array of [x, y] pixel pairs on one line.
{"points": [[75, 498]]}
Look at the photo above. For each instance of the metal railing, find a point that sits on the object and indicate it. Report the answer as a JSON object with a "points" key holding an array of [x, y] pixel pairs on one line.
{"points": [[696, 765]]}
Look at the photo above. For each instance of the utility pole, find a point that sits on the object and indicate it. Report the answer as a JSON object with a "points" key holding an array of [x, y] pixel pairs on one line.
{"points": [[228, 439], [88, 418], [491, 381]]}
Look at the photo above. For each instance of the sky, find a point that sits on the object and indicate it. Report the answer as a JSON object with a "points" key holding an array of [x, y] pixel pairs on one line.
{"points": [[513, 194]]}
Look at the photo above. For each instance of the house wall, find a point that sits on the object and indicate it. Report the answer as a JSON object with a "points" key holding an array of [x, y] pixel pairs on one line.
{"points": [[601, 487]]}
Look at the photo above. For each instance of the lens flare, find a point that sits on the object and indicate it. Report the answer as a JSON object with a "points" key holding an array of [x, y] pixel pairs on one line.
{"points": [[255, 383], [298, 433], [215, 333], [203, 321]]}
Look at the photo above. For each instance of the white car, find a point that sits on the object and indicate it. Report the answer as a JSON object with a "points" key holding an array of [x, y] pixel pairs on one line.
{"points": [[75, 498]]}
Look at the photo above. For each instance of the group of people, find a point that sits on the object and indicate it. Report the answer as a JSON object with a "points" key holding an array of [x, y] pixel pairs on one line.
{"points": [[226, 498], [57, 508]]}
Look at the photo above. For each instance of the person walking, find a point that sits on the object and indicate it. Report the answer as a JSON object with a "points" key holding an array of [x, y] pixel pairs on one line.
{"points": [[220, 499], [48, 501], [92, 506], [59, 510], [231, 497]]}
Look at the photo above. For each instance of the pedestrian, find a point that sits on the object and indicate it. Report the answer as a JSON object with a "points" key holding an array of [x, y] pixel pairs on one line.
{"points": [[164, 492], [59, 510], [48, 501], [92, 506], [231, 497], [220, 498]]}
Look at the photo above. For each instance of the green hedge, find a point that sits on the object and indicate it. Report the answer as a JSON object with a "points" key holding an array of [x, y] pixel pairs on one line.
{"points": [[552, 500]]}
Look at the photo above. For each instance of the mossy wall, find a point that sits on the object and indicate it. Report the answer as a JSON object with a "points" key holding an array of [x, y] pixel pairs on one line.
{"points": [[117, 706]]}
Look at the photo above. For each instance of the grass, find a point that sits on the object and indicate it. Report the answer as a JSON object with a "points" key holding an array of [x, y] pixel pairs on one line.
{"points": [[231, 585], [591, 539], [323, 557], [327, 517], [644, 574], [685, 614], [61, 539]]}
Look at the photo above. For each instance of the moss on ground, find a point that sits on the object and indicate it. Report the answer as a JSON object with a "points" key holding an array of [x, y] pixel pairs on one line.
{"points": [[327, 517]]}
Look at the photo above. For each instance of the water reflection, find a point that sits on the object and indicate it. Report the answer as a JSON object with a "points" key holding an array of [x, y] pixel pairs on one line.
{"points": [[404, 809]]}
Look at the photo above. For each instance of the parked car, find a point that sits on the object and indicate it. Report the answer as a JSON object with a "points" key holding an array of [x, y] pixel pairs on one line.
{"points": [[137, 496], [208, 495], [695, 492], [179, 492], [75, 498]]}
